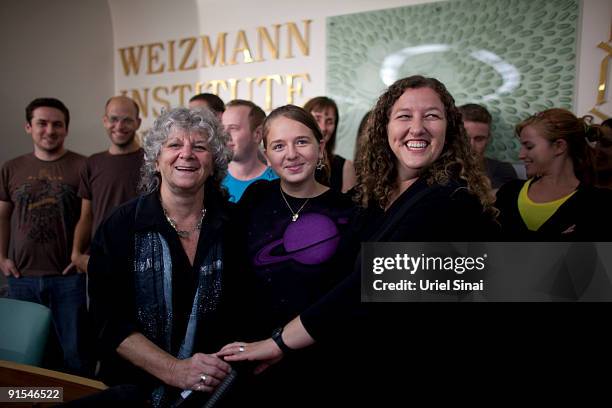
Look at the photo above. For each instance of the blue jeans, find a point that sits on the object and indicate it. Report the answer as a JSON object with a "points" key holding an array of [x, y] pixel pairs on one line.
{"points": [[66, 297]]}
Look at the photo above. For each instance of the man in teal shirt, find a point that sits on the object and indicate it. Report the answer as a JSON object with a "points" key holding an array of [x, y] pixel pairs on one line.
{"points": [[243, 121]]}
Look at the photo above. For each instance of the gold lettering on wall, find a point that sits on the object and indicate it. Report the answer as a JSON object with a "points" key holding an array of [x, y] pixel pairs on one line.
{"points": [[249, 82], [187, 45], [599, 114], [602, 85], [207, 51], [161, 101], [297, 89], [143, 102], [233, 88], [171, 56], [603, 73], [272, 45], [153, 58], [241, 47], [212, 55], [302, 42], [268, 80], [129, 61], [191, 53]]}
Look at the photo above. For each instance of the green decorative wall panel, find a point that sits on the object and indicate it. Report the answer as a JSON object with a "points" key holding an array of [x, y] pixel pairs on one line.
{"points": [[516, 57]]}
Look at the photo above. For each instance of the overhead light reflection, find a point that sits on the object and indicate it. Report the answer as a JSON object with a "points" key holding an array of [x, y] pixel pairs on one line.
{"points": [[393, 62], [511, 77]]}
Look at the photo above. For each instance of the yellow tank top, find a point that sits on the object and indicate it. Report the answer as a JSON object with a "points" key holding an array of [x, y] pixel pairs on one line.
{"points": [[536, 214]]}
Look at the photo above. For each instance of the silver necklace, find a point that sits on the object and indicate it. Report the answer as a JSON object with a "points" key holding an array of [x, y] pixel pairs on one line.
{"points": [[296, 214], [185, 233]]}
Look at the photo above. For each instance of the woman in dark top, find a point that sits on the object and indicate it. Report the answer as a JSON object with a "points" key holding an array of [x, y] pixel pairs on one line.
{"points": [[291, 260], [341, 172], [293, 228], [160, 265], [558, 202], [417, 181]]}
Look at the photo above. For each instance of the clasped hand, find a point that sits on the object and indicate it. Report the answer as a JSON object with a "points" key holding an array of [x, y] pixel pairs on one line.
{"points": [[201, 372], [265, 351]]}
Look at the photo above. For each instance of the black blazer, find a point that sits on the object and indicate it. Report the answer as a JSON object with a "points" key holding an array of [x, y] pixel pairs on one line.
{"points": [[423, 213]]}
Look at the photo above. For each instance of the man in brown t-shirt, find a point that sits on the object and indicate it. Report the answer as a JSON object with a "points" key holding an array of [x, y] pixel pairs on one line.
{"points": [[39, 208], [109, 178]]}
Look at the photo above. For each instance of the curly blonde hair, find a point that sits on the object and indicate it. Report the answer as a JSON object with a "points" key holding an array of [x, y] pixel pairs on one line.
{"points": [[376, 164]]}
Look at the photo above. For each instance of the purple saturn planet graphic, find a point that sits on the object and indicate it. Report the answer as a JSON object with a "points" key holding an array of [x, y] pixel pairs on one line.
{"points": [[310, 240]]}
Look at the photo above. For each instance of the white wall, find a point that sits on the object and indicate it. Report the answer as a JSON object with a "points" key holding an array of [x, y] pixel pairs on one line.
{"points": [[62, 49]]}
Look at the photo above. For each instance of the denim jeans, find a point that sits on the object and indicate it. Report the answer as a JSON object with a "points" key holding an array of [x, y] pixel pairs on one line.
{"points": [[66, 297]]}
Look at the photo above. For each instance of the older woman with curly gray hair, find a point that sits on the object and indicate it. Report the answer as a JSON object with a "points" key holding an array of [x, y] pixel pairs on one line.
{"points": [[203, 122], [159, 266]]}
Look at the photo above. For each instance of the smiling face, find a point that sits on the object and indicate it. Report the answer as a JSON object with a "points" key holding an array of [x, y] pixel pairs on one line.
{"points": [[293, 151], [416, 131], [538, 153], [184, 161], [48, 130], [121, 121]]}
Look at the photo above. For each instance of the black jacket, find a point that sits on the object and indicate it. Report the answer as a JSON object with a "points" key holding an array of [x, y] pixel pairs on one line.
{"points": [[585, 216], [438, 213], [112, 288]]}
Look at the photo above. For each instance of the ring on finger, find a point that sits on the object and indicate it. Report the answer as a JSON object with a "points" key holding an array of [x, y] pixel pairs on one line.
{"points": [[203, 378], [240, 349]]}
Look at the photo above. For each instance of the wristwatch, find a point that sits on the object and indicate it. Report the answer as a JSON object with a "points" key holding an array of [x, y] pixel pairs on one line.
{"points": [[278, 339]]}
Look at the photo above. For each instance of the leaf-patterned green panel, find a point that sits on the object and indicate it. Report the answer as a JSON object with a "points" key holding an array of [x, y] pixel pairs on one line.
{"points": [[516, 57]]}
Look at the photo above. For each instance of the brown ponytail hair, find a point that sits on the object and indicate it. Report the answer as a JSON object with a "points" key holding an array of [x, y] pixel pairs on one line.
{"points": [[555, 124]]}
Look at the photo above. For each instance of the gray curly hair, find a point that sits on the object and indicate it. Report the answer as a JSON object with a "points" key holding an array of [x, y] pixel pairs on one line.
{"points": [[198, 120]]}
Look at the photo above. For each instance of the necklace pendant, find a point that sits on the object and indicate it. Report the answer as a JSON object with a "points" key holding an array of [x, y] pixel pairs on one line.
{"points": [[294, 217], [182, 234]]}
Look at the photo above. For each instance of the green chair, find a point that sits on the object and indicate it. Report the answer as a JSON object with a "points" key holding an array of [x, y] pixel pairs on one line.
{"points": [[24, 329]]}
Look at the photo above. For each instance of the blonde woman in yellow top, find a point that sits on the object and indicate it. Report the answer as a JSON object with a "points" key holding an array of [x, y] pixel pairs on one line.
{"points": [[558, 201]]}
